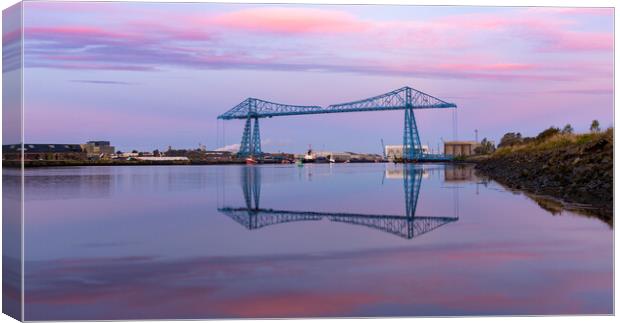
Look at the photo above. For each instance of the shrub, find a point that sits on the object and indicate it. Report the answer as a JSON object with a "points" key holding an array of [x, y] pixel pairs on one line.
{"points": [[595, 126], [486, 147], [510, 139], [547, 133]]}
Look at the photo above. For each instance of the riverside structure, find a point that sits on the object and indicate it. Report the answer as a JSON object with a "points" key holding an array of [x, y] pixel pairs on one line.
{"points": [[405, 98]]}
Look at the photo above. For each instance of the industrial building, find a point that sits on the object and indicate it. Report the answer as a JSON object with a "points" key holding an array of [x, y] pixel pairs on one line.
{"points": [[393, 152], [459, 148], [200, 155], [341, 157], [43, 152], [98, 148], [90, 150], [158, 158]]}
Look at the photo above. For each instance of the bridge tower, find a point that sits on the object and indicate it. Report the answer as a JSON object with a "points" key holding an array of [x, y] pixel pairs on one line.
{"points": [[412, 182], [250, 141], [412, 149], [251, 184]]}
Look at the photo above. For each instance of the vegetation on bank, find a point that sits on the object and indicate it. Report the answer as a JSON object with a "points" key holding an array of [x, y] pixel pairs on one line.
{"points": [[575, 168], [555, 140]]}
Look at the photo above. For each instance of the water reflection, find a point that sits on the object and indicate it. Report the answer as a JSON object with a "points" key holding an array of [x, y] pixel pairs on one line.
{"points": [[96, 186], [407, 226], [158, 248]]}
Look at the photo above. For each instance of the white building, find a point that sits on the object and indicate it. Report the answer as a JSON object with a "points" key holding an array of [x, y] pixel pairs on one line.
{"points": [[163, 158], [396, 151]]}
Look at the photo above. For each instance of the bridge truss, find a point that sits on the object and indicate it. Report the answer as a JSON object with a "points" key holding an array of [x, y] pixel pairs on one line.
{"points": [[405, 98], [409, 226]]}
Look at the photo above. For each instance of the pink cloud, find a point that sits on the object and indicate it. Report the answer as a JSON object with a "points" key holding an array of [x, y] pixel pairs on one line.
{"points": [[82, 35], [577, 41], [549, 30], [291, 20], [497, 67], [475, 46], [11, 36], [576, 11]]}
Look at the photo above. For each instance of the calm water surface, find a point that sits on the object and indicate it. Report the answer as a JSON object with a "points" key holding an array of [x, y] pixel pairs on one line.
{"points": [[285, 241]]}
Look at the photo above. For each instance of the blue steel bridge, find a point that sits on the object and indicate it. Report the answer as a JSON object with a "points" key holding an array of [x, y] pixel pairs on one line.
{"points": [[406, 98], [407, 226]]}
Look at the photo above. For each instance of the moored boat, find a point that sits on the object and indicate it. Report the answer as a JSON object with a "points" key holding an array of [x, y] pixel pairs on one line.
{"points": [[321, 160], [309, 157]]}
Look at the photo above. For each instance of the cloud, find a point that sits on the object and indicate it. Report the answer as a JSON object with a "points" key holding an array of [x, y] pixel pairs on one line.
{"points": [[264, 143], [101, 82], [231, 148], [513, 45], [291, 21]]}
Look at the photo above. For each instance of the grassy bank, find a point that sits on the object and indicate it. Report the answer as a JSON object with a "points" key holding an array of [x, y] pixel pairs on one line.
{"points": [[575, 168]]}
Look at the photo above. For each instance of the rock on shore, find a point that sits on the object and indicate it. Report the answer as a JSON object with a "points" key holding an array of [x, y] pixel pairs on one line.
{"points": [[575, 173]]}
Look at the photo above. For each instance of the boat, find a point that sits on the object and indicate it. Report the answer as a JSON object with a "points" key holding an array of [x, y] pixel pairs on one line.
{"points": [[309, 157], [251, 161], [321, 160]]}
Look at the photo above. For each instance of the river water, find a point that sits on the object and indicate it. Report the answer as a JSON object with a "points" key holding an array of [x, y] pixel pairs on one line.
{"points": [[314, 241]]}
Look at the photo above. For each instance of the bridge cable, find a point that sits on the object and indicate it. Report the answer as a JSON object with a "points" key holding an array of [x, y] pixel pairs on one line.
{"points": [[217, 133], [217, 189], [452, 116], [456, 123], [455, 134]]}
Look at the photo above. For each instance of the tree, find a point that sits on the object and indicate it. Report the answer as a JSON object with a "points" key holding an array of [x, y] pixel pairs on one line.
{"points": [[510, 139], [548, 133], [527, 140], [134, 151], [595, 126], [156, 152], [568, 129], [486, 147], [119, 152]]}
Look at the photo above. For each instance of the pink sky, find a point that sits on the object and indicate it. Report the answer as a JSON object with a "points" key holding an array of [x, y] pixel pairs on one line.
{"points": [[508, 69]]}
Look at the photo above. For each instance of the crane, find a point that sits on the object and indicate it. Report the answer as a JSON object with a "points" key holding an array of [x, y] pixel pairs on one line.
{"points": [[383, 148]]}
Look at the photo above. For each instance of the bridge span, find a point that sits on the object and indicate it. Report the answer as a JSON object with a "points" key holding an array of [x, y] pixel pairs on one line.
{"points": [[405, 98], [407, 226]]}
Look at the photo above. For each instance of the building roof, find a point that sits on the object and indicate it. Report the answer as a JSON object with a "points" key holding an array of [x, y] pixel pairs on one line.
{"points": [[99, 142], [460, 142], [43, 148]]}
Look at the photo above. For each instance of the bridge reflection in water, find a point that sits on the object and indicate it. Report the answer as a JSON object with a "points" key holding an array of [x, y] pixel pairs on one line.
{"points": [[407, 226]]}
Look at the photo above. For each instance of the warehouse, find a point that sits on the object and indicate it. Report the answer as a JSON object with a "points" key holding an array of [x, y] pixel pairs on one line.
{"points": [[460, 148], [44, 152]]}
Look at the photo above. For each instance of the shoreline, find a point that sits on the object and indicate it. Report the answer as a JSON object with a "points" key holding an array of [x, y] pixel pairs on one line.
{"points": [[576, 175], [65, 163], [75, 163], [555, 204]]}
